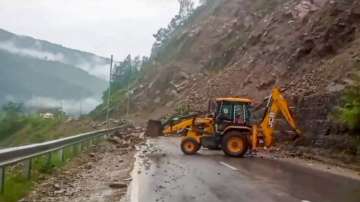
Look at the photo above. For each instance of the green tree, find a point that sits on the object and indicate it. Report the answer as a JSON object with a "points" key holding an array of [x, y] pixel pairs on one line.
{"points": [[13, 109], [164, 34], [186, 8], [13, 119], [125, 73], [349, 112]]}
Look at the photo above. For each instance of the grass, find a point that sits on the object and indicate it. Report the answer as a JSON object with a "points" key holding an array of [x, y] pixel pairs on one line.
{"points": [[37, 130], [18, 186], [2, 115], [27, 129], [349, 112]]}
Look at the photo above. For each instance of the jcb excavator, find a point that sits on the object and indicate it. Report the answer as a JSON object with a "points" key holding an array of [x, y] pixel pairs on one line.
{"points": [[229, 128]]}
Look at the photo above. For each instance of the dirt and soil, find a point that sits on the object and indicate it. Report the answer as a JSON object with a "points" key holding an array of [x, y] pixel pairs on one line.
{"points": [[101, 174]]}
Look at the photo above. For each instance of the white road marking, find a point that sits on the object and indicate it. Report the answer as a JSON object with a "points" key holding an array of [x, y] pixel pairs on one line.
{"points": [[305, 201], [227, 165]]}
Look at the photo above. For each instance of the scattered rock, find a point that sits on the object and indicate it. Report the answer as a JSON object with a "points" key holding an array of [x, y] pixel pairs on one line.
{"points": [[88, 166], [56, 186], [61, 191], [117, 185], [157, 100], [127, 179], [115, 140]]}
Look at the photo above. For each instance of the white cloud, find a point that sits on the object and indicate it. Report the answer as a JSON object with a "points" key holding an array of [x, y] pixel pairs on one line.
{"points": [[71, 107], [104, 27], [10, 47], [96, 69], [94, 66]]}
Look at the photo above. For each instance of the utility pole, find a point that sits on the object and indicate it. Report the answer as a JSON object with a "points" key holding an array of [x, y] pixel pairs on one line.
{"points": [[128, 93], [80, 110], [109, 93], [62, 105], [128, 100]]}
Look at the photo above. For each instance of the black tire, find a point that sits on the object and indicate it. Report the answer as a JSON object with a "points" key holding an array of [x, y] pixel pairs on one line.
{"points": [[189, 146], [234, 144]]}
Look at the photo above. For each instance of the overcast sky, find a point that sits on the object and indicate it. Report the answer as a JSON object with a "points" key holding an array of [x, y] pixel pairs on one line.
{"points": [[103, 27]]}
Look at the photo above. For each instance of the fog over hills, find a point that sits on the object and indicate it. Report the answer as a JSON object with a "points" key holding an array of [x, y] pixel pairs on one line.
{"points": [[40, 73]]}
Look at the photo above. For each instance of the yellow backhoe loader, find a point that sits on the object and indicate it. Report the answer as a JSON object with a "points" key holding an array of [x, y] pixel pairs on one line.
{"points": [[229, 128]]}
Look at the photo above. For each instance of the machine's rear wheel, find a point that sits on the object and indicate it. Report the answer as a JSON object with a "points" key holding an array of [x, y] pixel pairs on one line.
{"points": [[189, 146], [234, 144]]}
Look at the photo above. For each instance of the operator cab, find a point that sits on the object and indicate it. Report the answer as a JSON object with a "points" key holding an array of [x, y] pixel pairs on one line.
{"points": [[232, 111]]}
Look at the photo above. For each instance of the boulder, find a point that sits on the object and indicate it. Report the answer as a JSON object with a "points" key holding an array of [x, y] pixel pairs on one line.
{"points": [[356, 9], [117, 185]]}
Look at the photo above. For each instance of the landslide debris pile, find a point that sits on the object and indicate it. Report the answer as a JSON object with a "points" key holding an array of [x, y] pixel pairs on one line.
{"points": [[245, 47], [102, 174]]}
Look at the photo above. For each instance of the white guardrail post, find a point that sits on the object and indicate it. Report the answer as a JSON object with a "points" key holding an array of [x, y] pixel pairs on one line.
{"points": [[28, 167], [62, 154]]}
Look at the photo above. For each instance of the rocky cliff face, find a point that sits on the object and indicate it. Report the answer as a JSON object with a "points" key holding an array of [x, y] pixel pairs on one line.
{"points": [[244, 48]]}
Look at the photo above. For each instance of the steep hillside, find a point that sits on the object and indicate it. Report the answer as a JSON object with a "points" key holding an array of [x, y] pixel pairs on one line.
{"points": [[31, 68], [245, 47]]}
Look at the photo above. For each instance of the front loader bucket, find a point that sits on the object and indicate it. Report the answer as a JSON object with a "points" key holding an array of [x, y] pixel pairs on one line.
{"points": [[154, 129], [298, 140]]}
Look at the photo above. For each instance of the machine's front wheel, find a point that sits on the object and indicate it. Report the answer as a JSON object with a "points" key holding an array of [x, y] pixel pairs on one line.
{"points": [[235, 144], [189, 146]]}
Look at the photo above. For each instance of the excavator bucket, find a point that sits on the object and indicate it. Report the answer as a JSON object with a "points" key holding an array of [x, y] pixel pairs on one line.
{"points": [[154, 129], [298, 139]]}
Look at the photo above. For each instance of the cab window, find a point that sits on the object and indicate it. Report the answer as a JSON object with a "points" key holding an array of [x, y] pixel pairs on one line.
{"points": [[225, 111], [242, 113]]}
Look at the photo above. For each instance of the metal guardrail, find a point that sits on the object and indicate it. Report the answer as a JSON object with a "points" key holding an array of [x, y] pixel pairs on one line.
{"points": [[10, 156]]}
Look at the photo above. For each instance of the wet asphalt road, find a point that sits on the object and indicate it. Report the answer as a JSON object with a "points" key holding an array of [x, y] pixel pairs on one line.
{"points": [[164, 174]]}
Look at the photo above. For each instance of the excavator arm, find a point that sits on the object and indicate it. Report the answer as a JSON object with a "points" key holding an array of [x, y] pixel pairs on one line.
{"points": [[276, 104], [178, 127], [193, 126]]}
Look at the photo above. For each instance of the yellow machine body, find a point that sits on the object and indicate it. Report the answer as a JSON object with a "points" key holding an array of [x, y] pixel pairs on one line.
{"points": [[232, 136]]}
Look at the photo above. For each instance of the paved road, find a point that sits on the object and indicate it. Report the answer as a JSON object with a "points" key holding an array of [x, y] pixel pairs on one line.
{"points": [[165, 174]]}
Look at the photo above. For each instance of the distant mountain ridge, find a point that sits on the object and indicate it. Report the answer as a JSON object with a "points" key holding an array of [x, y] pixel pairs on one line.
{"points": [[35, 68], [28, 46]]}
